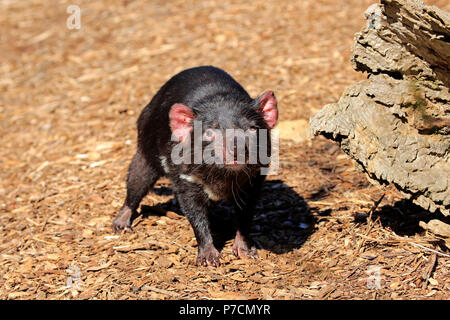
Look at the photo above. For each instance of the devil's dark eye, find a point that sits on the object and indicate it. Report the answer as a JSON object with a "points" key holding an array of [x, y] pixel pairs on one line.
{"points": [[209, 134]]}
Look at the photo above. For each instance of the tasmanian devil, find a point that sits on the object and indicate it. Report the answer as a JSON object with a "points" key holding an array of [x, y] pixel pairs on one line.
{"points": [[189, 118]]}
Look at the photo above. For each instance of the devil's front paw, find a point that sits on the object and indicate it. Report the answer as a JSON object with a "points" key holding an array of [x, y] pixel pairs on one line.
{"points": [[208, 256], [123, 220], [242, 248], [120, 226]]}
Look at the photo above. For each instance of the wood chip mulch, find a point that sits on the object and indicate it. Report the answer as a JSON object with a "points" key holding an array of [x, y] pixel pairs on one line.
{"points": [[69, 100]]}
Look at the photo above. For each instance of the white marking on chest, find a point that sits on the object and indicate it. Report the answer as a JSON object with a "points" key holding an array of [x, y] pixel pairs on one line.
{"points": [[206, 188], [164, 164]]}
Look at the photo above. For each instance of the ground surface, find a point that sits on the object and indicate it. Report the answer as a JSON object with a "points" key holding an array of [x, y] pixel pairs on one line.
{"points": [[69, 100]]}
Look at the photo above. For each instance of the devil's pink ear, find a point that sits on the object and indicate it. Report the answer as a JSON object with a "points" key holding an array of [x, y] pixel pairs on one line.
{"points": [[181, 118], [268, 106]]}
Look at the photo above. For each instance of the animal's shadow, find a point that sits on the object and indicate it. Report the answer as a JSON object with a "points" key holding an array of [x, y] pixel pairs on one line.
{"points": [[403, 217], [282, 220]]}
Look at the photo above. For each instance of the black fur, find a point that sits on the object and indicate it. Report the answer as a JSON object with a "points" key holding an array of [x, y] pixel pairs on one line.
{"points": [[217, 100]]}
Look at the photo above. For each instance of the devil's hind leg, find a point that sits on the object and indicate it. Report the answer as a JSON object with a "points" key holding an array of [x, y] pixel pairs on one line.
{"points": [[142, 175]]}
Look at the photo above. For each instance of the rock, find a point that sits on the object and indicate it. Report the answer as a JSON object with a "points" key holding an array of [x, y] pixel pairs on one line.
{"points": [[440, 229], [437, 227], [396, 124]]}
